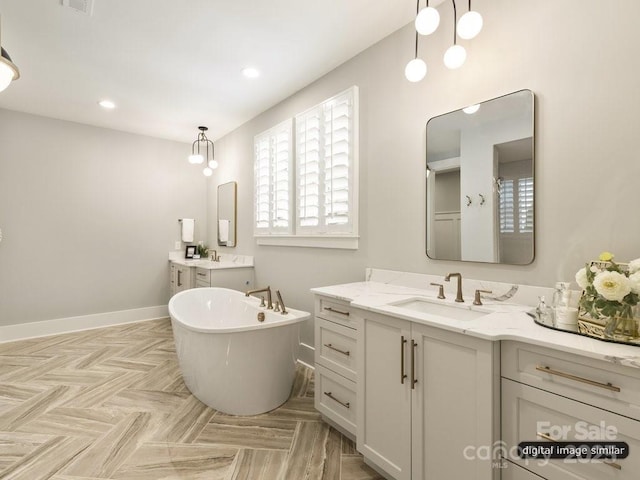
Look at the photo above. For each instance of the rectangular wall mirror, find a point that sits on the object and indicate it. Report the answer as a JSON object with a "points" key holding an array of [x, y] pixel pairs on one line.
{"points": [[480, 182], [227, 199]]}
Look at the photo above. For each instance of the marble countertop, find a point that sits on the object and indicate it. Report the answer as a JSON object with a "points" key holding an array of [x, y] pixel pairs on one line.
{"points": [[226, 261], [503, 320]]}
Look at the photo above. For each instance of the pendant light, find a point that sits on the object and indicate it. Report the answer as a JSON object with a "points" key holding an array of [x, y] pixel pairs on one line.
{"points": [[416, 69], [8, 70], [469, 24], [455, 55], [427, 20], [197, 158]]}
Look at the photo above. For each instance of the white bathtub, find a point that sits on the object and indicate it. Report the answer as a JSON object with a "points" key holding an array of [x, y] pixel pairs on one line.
{"points": [[229, 360]]}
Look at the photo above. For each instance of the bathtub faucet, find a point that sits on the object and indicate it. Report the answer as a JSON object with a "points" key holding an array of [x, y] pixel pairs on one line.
{"points": [[261, 290]]}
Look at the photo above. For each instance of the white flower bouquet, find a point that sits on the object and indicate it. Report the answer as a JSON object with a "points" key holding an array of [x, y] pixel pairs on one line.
{"points": [[610, 293]]}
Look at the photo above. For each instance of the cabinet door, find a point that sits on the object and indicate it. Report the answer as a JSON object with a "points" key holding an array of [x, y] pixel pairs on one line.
{"points": [[384, 395], [454, 416], [183, 278]]}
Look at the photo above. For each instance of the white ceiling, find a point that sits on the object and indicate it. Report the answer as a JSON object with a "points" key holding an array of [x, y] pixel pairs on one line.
{"points": [[171, 65]]}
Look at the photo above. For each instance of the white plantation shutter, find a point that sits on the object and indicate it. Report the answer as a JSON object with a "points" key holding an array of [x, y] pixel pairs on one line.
{"points": [[272, 176], [326, 162], [507, 224], [525, 204], [308, 168]]}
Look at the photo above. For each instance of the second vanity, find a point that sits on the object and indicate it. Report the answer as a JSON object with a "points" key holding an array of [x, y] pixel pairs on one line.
{"points": [[431, 393], [231, 271]]}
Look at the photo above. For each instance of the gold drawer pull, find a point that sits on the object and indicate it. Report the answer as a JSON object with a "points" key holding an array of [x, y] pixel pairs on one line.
{"points": [[607, 386], [617, 466], [546, 437], [202, 274], [343, 352], [330, 309], [403, 375], [346, 405]]}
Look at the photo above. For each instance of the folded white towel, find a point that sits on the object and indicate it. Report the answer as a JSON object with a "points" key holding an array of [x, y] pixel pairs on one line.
{"points": [[223, 231], [188, 226]]}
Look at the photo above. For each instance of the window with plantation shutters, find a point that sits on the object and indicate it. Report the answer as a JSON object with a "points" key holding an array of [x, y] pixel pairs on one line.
{"points": [[273, 175], [326, 165], [516, 205], [314, 204]]}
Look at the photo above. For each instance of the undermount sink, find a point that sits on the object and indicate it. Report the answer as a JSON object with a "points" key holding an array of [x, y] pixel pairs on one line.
{"points": [[442, 310]]}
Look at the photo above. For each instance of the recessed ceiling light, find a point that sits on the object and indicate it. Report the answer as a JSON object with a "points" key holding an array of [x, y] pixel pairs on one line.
{"points": [[251, 72], [471, 109], [108, 104]]}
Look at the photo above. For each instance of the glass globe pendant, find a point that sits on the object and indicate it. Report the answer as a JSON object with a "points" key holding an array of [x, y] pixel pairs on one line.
{"points": [[415, 70], [427, 20], [469, 25], [455, 56]]}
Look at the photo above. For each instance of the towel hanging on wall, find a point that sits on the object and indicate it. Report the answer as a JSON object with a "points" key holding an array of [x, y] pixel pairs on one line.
{"points": [[188, 226], [223, 232]]}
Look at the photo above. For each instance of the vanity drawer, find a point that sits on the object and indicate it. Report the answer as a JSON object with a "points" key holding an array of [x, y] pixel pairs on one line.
{"points": [[336, 311], [336, 347], [203, 275], [511, 471], [528, 412], [335, 397], [599, 383]]}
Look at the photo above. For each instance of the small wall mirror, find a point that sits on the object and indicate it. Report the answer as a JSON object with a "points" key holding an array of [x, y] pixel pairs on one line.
{"points": [[227, 199], [480, 182]]}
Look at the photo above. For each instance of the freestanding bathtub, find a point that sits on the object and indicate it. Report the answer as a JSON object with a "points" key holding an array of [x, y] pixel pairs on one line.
{"points": [[229, 360]]}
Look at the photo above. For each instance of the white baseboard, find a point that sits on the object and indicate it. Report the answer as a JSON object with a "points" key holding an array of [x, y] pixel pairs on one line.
{"points": [[306, 354], [23, 331]]}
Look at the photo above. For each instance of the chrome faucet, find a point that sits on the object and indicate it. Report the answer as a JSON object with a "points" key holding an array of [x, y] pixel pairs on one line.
{"points": [[447, 278], [215, 257], [261, 290]]}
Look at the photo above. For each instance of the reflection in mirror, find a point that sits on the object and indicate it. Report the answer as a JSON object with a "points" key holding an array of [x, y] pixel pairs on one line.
{"points": [[227, 197], [480, 180]]}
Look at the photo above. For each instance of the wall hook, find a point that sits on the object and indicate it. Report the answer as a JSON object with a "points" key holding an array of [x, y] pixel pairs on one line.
{"points": [[482, 200], [468, 200]]}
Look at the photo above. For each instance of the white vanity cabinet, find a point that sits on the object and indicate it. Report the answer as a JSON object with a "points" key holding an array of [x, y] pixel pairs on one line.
{"points": [[240, 279], [427, 399], [336, 327], [181, 278], [548, 395]]}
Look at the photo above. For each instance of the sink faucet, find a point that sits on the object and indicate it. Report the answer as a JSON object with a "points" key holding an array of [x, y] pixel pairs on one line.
{"points": [[260, 290], [447, 278], [215, 257]]}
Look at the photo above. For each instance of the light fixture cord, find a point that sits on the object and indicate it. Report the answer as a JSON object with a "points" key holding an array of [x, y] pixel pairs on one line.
{"points": [[418, 11], [455, 20]]}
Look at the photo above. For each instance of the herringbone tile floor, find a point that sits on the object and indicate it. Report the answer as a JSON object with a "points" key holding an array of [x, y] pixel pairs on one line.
{"points": [[111, 404]]}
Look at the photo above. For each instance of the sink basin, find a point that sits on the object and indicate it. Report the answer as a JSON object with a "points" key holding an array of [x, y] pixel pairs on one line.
{"points": [[442, 310]]}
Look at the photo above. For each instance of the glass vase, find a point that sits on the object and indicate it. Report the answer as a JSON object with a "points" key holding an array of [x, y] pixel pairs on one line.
{"points": [[621, 328]]}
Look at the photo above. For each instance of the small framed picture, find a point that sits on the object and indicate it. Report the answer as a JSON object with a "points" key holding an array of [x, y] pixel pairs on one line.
{"points": [[190, 252]]}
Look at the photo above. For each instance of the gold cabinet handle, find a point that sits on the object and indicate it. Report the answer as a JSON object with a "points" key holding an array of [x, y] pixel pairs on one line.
{"points": [[202, 274], [615, 465], [606, 386], [414, 380], [403, 375], [330, 309], [330, 395], [343, 352], [179, 283]]}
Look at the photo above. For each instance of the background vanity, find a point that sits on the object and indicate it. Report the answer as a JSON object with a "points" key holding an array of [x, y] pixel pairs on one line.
{"points": [[232, 271], [427, 396]]}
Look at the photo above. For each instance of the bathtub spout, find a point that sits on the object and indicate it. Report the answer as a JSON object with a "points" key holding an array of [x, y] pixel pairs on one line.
{"points": [[261, 290], [284, 310]]}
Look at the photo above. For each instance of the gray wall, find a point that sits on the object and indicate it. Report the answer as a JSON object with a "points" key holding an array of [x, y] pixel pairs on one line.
{"points": [[88, 217], [580, 60]]}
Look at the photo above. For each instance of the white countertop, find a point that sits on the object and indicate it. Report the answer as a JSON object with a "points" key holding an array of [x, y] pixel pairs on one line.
{"points": [[226, 261], [507, 321]]}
